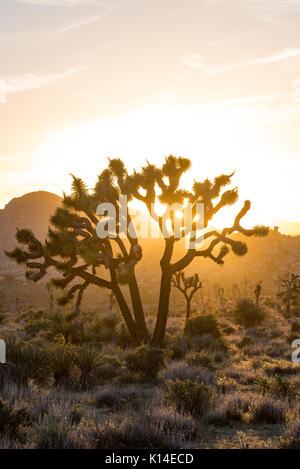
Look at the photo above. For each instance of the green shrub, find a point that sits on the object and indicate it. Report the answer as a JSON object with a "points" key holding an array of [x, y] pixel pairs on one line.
{"points": [[146, 361], [203, 324], [12, 420], [248, 314], [280, 368], [189, 396], [278, 387]]}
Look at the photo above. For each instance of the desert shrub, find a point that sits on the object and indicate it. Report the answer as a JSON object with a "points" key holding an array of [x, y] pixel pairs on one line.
{"points": [[109, 369], [291, 437], [12, 420], [177, 347], [202, 359], [145, 361], [268, 411], [295, 327], [86, 359], [232, 408], [58, 324], [189, 396], [242, 376], [2, 318], [119, 397], [248, 314], [123, 338], [179, 370], [111, 360], [61, 365], [203, 324], [5, 374], [280, 368], [34, 326], [278, 387], [75, 416], [245, 342], [27, 362], [155, 428], [269, 301], [56, 436], [110, 321]]}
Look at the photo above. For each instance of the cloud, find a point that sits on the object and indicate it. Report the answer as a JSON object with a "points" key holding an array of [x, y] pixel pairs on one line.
{"points": [[47, 37], [249, 99], [29, 81], [197, 61]]}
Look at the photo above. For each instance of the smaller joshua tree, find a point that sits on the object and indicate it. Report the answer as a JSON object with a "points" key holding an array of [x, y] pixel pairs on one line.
{"points": [[291, 290], [257, 292], [188, 287]]}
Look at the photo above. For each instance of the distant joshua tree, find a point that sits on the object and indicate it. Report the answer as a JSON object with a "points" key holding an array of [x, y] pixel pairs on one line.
{"points": [[257, 291], [188, 287], [290, 292], [76, 252], [50, 288]]}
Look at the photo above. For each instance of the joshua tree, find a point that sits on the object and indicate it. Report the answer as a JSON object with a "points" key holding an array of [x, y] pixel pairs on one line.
{"points": [[188, 287], [291, 290], [75, 250], [50, 287], [221, 292], [257, 292]]}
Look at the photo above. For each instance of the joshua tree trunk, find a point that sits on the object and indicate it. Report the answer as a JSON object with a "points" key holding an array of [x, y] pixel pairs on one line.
{"points": [[125, 313], [137, 306], [188, 308], [163, 310]]}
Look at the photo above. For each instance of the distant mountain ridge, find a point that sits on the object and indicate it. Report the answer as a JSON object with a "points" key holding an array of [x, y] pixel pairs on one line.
{"points": [[29, 211]]}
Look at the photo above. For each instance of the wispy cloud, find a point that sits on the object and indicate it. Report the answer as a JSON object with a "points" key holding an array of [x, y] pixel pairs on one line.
{"points": [[249, 100], [28, 81], [197, 61], [47, 37]]}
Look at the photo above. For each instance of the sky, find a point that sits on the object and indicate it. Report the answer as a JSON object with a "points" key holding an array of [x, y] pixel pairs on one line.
{"points": [[217, 81]]}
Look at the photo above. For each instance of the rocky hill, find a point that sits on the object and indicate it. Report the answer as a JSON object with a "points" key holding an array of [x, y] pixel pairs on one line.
{"points": [[29, 211]]}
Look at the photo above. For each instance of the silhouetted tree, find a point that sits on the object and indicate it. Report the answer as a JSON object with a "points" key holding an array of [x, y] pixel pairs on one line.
{"points": [[76, 252], [188, 287], [257, 291], [291, 290]]}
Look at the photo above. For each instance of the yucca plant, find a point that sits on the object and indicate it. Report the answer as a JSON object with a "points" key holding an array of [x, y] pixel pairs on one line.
{"points": [[27, 362], [86, 359], [61, 365]]}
